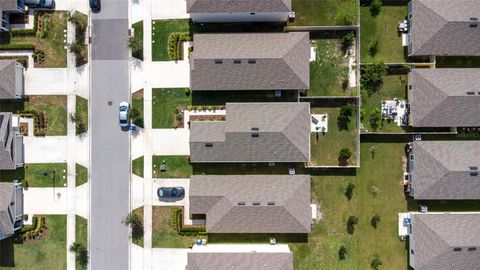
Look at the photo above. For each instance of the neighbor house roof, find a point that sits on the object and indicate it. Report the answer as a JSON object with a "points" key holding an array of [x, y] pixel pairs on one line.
{"points": [[6, 142], [443, 170], [238, 6], [283, 203], [254, 132], [444, 97], [436, 235], [240, 261], [265, 61], [6, 191], [7, 5], [7, 79], [442, 27]]}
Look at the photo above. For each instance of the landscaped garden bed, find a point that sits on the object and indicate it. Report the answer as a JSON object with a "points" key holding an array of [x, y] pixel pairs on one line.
{"points": [[50, 113], [78, 47], [23, 60], [324, 12], [164, 104], [207, 118], [168, 232]]}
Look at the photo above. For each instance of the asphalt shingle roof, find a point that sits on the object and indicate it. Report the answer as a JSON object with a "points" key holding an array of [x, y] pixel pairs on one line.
{"points": [[283, 134], [6, 161], [281, 61], [229, 6], [6, 191], [7, 79], [442, 27], [8, 5], [218, 196], [441, 170], [436, 235], [240, 261], [439, 97]]}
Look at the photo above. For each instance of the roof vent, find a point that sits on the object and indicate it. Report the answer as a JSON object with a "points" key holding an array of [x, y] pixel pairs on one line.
{"points": [[470, 93], [208, 144], [473, 21], [271, 203], [473, 168], [241, 203], [218, 61], [457, 249], [256, 203], [472, 248], [252, 61], [237, 61], [473, 171]]}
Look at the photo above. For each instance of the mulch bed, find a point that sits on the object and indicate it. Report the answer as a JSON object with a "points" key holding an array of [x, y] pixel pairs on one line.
{"points": [[207, 118]]}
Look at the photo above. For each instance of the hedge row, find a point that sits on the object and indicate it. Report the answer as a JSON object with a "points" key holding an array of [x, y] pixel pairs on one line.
{"points": [[5, 47], [177, 219], [174, 39]]}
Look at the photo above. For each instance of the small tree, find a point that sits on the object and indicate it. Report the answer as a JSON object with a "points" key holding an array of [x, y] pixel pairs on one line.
{"points": [[375, 7], [133, 220], [375, 116], [375, 264], [352, 221], [349, 191], [342, 252], [81, 253], [346, 12], [347, 41], [74, 247], [373, 48], [344, 154], [372, 77], [76, 47], [375, 220], [136, 46]]}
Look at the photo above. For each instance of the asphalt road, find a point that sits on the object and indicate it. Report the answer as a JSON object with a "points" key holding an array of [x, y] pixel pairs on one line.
{"points": [[110, 146]]}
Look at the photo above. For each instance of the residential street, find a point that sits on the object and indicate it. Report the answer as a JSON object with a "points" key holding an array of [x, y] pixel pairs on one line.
{"points": [[110, 146]]}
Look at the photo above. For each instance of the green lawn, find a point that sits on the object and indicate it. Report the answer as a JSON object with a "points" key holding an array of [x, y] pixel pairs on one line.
{"points": [[139, 213], [177, 167], [164, 102], [49, 253], [138, 35], [82, 112], [329, 69], [137, 102], [81, 176], [316, 12], [325, 148], [394, 86], [161, 29], [81, 235], [164, 234], [34, 174], [137, 166], [382, 28], [55, 112], [458, 62]]}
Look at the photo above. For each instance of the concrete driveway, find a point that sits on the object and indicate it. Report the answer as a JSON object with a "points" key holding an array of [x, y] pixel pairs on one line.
{"points": [[171, 141], [172, 74], [170, 258], [45, 201], [46, 81], [169, 9], [185, 202], [49, 149]]}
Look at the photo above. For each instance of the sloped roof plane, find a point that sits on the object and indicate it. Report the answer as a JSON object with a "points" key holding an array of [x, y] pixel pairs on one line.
{"points": [[7, 79], [240, 261], [238, 6]]}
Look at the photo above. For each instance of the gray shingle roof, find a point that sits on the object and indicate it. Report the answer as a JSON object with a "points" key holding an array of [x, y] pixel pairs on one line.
{"points": [[218, 197], [6, 191], [229, 6], [8, 5], [442, 27], [441, 170], [281, 61], [435, 236], [283, 129], [6, 146], [240, 261], [7, 79], [439, 97]]}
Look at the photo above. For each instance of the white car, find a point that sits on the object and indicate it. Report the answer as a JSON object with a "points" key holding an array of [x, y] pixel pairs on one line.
{"points": [[123, 114]]}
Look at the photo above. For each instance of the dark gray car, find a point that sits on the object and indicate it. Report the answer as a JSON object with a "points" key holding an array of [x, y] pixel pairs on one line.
{"points": [[170, 192]]}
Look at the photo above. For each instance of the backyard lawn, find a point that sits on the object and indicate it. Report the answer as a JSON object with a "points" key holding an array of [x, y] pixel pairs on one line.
{"points": [[81, 176], [81, 235], [382, 28], [82, 112], [319, 12], [48, 253], [137, 166], [329, 70], [325, 147], [164, 234], [161, 29], [176, 167], [164, 103], [54, 109], [394, 86]]}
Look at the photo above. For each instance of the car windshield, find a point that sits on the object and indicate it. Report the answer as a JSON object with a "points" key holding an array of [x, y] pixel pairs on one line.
{"points": [[123, 108], [174, 192], [161, 192]]}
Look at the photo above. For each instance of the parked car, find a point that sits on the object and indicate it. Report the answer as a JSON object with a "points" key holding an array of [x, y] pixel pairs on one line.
{"points": [[95, 5], [170, 192], [123, 114], [45, 4]]}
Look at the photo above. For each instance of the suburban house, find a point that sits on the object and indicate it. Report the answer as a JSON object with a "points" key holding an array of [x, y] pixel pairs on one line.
{"points": [[11, 142], [445, 170], [239, 10], [11, 208], [443, 28], [444, 241], [254, 133], [444, 97], [239, 261], [251, 203], [7, 7], [253, 61], [11, 80]]}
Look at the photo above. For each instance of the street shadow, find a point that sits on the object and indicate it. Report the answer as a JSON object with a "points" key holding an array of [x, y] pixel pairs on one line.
{"points": [[7, 257]]}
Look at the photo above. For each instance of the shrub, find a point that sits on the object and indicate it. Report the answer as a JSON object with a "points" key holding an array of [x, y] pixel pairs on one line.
{"points": [[136, 46], [174, 39], [372, 77], [347, 110], [187, 91], [344, 154], [14, 47], [373, 48], [342, 252], [349, 191], [363, 113], [352, 221], [375, 220], [375, 264], [81, 253], [135, 223], [346, 12], [23, 32], [347, 41], [177, 224], [375, 7], [375, 116]]}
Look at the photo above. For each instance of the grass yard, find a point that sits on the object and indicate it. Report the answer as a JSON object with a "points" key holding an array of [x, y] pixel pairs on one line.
{"points": [[34, 174], [164, 234], [329, 70], [318, 12], [164, 102], [458, 62], [325, 148], [82, 111], [138, 36], [81, 176], [177, 167], [55, 112], [382, 28], [161, 29], [49, 253], [137, 102], [137, 166], [394, 86], [139, 213], [81, 235]]}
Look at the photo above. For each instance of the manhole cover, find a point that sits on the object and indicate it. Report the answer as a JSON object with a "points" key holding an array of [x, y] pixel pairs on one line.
{"points": [[110, 103]]}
